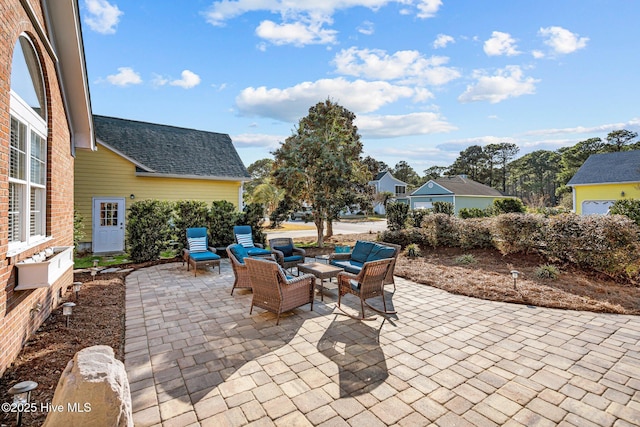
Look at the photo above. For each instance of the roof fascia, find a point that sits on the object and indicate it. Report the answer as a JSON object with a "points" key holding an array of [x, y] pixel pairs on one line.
{"points": [[124, 156], [65, 32], [208, 178]]}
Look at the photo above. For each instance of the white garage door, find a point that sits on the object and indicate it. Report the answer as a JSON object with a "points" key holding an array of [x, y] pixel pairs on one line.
{"points": [[600, 207], [422, 205]]}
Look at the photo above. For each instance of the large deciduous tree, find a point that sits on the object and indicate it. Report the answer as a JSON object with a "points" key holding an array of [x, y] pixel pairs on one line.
{"points": [[320, 162]]}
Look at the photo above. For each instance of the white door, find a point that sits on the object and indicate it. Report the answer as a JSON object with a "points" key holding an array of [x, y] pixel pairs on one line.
{"points": [[108, 225], [601, 207]]}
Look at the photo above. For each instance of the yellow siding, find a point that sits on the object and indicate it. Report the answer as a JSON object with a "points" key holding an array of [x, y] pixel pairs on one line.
{"points": [[106, 174], [604, 192]]}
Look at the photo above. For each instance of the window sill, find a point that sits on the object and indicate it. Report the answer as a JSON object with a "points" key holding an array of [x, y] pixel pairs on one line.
{"points": [[24, 247]]}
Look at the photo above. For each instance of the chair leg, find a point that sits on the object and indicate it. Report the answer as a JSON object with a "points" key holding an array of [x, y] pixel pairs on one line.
{"points": [[362, 307], [278, 319]]}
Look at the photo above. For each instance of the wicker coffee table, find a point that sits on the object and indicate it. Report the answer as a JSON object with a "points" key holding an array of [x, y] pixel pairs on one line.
{"points": [[321, 271]]}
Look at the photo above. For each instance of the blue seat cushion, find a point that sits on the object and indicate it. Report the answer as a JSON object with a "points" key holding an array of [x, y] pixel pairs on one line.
{"points": [[354, 285], [239, 252], [350, 266], [361, 251], [286, 250], [379, 252], [292, 258], [204, 256], [257, 251]]}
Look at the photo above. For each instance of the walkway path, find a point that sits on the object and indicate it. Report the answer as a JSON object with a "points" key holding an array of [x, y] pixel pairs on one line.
{"points": [[195, 356]]}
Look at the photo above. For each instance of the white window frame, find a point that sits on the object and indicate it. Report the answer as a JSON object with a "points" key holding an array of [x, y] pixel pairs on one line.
{"points": [[22, 112]]}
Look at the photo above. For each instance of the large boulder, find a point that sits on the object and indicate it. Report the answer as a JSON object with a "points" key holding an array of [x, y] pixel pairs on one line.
{"points": [[92, 391]]}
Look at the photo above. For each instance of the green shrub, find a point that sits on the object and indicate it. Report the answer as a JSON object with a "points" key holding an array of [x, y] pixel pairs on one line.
{"points": [[188, 214], [605, 243], [515, 232], [78, 229], [443, 208], [148, 229], [627, 207], [547, 272], [253, 215], [222, 217], [281, 213], [416, 216], [403, 237], [466, 259], [508, 205], [475, 233], [397, 215], [466, 213], [441, 230], [413, 250]]}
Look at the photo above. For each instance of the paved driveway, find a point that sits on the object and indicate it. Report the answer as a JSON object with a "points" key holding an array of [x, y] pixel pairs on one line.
{"points": [[195, 356], [340, 227]]}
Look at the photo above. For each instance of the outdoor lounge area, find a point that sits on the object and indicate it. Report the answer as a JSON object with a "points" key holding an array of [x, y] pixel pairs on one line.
{"points": [[195, 355]]}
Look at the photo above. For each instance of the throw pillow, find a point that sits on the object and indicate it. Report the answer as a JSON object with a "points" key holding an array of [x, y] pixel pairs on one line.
{"points": [[245, 240], [197, 244], [286, 250]]}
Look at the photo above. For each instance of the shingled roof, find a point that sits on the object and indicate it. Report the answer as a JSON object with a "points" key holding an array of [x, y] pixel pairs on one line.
{"points": [[622, 166], [461, 186], [169, 150]]}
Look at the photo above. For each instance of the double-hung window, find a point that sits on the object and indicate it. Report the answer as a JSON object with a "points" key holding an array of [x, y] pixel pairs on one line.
{"points": [[28, 150]]}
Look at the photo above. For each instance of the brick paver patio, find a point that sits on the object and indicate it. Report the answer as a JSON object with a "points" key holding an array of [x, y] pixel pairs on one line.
{"points": [[194, 356]]}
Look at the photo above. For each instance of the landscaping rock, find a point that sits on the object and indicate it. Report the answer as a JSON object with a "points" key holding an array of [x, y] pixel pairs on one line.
{"points": [[93, 390]]}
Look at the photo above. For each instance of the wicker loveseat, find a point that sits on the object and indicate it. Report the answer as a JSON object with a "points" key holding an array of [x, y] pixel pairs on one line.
{"points": [[365, 251]]}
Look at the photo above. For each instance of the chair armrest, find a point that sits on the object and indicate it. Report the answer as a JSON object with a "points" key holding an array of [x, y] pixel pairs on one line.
{"points": [[299, 251], [344, 275], [300, 279], [278, 254], [338, 256], [212, 249], [258, 245]]}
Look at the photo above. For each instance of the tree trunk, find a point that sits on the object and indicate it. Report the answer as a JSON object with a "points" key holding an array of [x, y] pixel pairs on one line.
{"points": [[320, 227], [329, 229]]}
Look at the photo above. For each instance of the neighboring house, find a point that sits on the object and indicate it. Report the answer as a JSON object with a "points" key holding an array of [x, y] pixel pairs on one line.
{"points": [[603, 179], [137, 161], [46, 116], [385, 182], [459, 190]]}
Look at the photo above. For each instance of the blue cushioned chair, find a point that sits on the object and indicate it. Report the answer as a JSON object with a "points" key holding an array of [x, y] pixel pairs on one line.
{"points": [[244, 236], [199, 253], [287, 255], [365, 251]]}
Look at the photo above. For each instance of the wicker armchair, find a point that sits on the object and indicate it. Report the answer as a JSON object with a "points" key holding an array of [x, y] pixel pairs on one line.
{"points": [[275, 292], [287, 255], [239, 267], [372, 251], [367, 284]]}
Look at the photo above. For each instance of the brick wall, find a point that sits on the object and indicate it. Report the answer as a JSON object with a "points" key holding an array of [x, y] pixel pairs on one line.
{"points": [[22, 312]]}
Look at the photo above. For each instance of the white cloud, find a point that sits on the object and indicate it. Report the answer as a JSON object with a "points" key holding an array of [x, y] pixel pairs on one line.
{"points": [[390, 126], [102, 16], [188, 80], [506, 83], [367, 28], [291, 104], [404, 66], [303, 20], [442, 41], [561, 40], [500, 44], [537, 54], [428, 8], [126, 76], [297, 33], [248, 140], [604, 128]]}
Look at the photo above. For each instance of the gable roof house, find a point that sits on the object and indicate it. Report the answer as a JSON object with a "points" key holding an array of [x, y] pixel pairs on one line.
{"points": [[385, 182], [46, 119], [604, 178], [138, 160], [459, 190]]}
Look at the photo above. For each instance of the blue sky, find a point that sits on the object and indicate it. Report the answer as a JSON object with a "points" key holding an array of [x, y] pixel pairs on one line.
{"points": [[425, 78]]}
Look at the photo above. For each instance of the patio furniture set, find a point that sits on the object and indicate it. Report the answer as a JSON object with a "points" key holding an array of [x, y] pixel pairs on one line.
{"points": [[362, 272]]}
